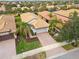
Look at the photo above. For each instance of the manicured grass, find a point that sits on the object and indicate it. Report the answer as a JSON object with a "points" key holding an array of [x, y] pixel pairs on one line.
{"points": [[41, 55], [24, 45], [69, 46]]}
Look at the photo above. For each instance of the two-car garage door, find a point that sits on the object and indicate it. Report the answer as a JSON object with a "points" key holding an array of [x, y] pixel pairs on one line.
{"points": [[41, 30]]}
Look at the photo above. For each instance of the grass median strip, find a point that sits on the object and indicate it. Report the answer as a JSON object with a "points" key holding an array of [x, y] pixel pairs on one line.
{"points": [[69, 46]]}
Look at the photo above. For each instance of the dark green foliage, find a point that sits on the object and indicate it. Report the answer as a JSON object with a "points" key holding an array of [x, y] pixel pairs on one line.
{"points": [[70, 31], [24, 45], [52, 25]]}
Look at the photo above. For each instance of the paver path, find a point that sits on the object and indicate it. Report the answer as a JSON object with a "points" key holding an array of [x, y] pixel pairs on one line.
{"points": [[45, 40]]}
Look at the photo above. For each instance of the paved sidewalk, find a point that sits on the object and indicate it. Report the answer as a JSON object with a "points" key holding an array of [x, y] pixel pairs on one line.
{"points": [[45, 40], [72, 54], [38, 50]]}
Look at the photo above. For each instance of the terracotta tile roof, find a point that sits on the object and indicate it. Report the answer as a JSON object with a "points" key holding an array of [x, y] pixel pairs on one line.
{"points": [[62, 13], [66, 12], [72, 10], [2, 23], [7, 23], [27, 17], [62, 19], [39, 23], [45, 14]]}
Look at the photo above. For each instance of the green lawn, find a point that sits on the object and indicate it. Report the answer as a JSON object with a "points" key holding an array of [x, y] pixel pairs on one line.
{"points": [[24, 45], [41, 55], [69, 46]]}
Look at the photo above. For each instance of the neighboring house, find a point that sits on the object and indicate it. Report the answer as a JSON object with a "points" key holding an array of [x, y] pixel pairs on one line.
{"points": [[7, 36], [45, 15], [14, 8], [66, 13], [76, 5], [47, 18], [32, 8], [50, 7], [72, 10], [2, 8], [63, 15], [23, 8], [37, 24], [18, 6], [62, 18]]}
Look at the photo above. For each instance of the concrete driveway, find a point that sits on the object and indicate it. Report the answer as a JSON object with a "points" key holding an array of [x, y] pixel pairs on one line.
{"points": [[45, 40], [7, 49]]}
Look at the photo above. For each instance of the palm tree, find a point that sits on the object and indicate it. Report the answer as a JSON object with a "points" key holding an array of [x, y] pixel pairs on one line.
{"points": [[23, 30], [52, 25]]}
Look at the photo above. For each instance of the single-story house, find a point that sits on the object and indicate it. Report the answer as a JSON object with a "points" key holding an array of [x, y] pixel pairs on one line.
{"points": [[45, 15], [37, 24], [2, 8], [23, 8], [76, 5], [63, 15], [72, 10], [7, 25], [50, 6], [62, 18], [7, 36]]}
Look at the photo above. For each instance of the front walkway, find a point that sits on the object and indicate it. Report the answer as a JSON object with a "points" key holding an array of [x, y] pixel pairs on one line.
{"points": [[45, 40]]}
